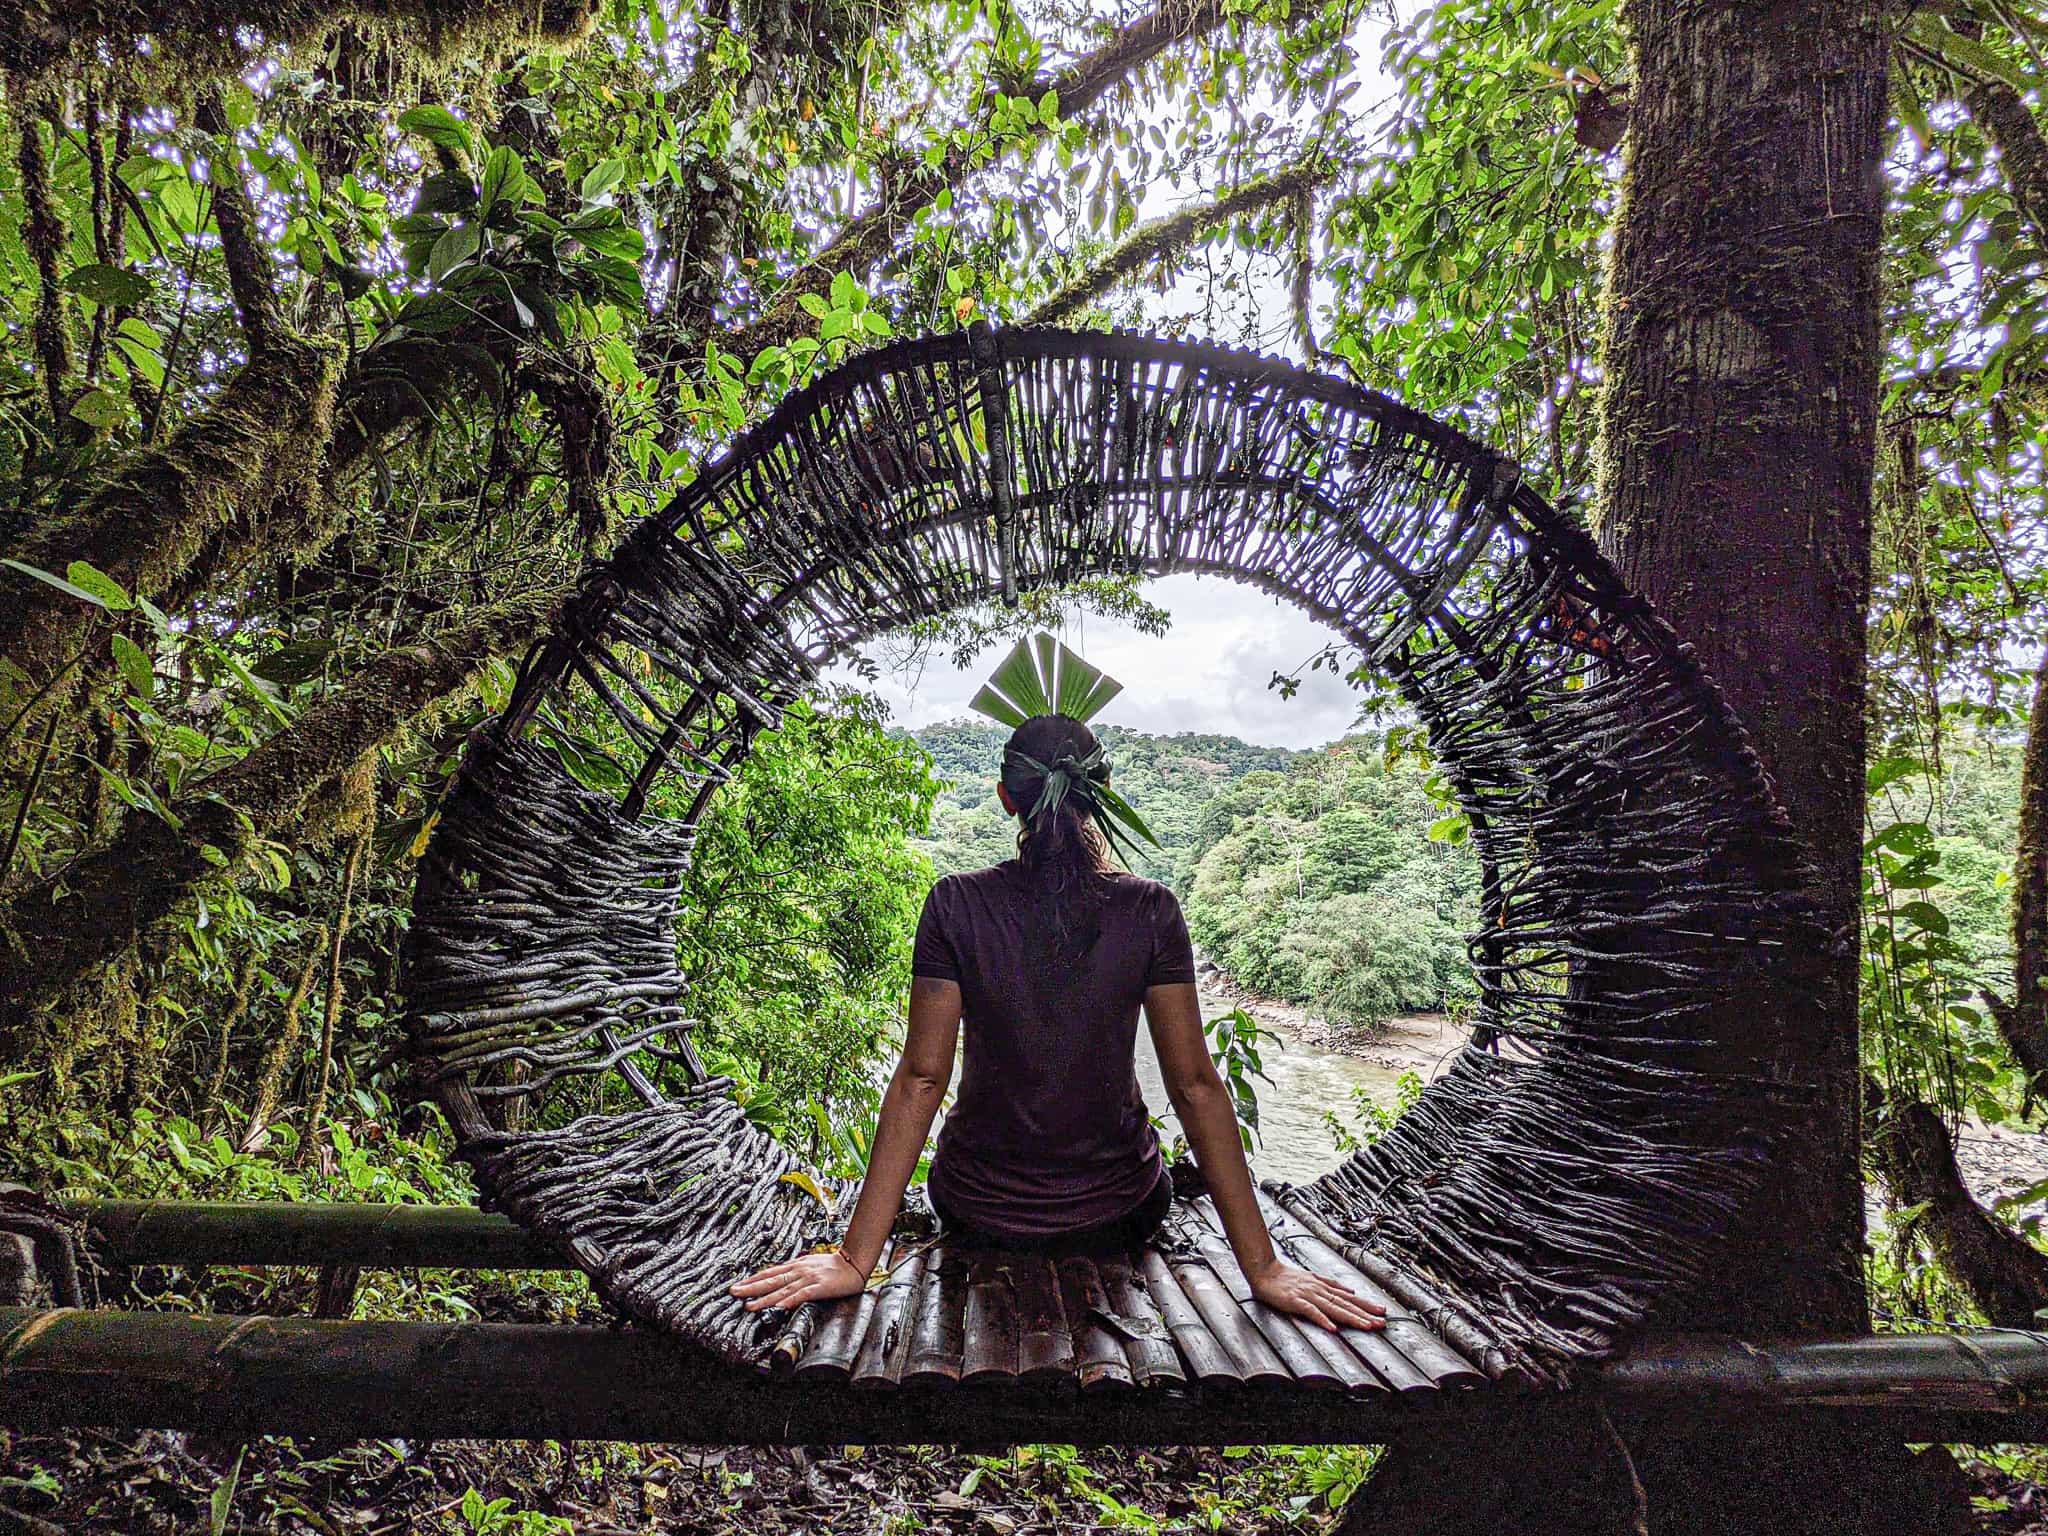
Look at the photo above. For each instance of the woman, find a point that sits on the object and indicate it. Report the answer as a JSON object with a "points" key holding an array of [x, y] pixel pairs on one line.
{"points": [[1047, 957]]}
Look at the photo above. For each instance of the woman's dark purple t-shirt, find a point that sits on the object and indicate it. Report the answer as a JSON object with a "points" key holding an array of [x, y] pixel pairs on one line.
{"points": [[1049, 1133]]}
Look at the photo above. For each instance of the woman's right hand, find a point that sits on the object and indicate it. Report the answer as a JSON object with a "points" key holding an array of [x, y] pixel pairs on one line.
{"points": [[814, 1277], [1285, 1288]]}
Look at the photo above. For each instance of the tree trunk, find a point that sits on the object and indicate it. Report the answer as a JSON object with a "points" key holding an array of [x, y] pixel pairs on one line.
{"points": [[2005, 1275], [1739, 428], [1740, 432], [57, 932], [2023, 1017]]}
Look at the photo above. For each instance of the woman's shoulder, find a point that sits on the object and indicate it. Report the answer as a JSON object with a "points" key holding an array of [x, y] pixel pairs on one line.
{"points": [[963, 882], [1141, 890]]}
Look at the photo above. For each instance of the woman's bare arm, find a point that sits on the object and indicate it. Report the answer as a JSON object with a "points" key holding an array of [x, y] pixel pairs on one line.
{"points": [[1174, 1014], [909, 1105]]}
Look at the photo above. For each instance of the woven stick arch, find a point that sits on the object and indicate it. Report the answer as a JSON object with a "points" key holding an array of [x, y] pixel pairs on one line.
{"points": [[1643, 901]]}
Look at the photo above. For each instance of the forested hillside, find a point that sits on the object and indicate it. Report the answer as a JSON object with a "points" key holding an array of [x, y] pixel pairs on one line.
{"points": [[1341, 884], [1169, 779]]}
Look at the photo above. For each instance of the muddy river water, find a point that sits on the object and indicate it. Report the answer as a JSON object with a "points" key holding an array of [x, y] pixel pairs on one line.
{"points": [[1308, 1079]]}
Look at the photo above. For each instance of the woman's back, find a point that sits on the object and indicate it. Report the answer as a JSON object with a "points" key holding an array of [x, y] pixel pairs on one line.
{"points": [[1049, 1132]]}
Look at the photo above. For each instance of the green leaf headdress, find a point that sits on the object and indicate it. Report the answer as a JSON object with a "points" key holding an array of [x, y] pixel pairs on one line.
{"points": [[1042, 677]]}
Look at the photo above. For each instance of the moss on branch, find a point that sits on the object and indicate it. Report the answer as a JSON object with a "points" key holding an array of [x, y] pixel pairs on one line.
{"points": [[194, 40], [99, 905]]}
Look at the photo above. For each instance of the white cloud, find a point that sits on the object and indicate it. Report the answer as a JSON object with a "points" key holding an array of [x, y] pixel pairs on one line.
{"points": [[1209, 672]]}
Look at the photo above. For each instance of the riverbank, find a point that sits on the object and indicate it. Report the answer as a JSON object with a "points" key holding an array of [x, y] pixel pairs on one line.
{"points": [[1422, 1043], [1997, 1161]]}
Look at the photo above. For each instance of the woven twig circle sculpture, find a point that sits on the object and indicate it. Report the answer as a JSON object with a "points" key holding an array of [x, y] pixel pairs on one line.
{"points": [[1640, 889]]}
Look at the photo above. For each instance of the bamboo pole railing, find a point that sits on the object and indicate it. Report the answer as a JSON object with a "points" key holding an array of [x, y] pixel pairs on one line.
{"points": [[129, 1370], [367, 1236]]}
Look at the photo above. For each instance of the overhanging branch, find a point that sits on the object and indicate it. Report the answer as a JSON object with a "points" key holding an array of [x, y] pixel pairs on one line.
{"points": [[870, 236], [1166, 239]]}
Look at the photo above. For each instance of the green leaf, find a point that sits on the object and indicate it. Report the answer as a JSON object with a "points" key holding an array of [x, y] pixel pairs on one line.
{"points": [[108, 592], [813, 305], [143, 360], [104, 284], [1019, 684], [504, 178], [1903, 837], [135, 667], [68, 588], [1889, 770], [223, 1500], [1967, 54], [1453, 829], [452, 250], [996, 707], [99, 408], [602, 179], [1082, 688], [1925, 915], [844, 290], [438, 126]]}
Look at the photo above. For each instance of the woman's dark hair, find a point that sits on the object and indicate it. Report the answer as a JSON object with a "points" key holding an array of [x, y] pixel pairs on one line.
{"points": [[1059, 846]]}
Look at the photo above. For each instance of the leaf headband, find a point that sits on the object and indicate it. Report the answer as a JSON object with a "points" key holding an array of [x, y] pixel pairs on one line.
{"points": [[1042, 677]]}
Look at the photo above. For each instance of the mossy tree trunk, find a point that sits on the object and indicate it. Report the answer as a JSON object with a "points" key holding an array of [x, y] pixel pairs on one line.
{"points": [[1740, 432]]}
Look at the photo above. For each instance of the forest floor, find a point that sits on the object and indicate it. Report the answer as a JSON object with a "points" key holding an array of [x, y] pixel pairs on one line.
{"points": [[165, 1484]]}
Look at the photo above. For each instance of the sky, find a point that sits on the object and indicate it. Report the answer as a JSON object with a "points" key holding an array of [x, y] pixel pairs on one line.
{"points": [[1208, 673]]}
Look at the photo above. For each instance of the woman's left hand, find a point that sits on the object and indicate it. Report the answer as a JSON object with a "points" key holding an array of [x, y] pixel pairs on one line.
{"points": [[814, 1277]]}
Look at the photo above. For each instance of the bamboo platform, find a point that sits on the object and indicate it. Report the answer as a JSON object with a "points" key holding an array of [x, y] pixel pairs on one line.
{"points": [[1179, 1314]]}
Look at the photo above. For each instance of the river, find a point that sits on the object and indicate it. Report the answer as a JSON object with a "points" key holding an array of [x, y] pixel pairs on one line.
{"points": [[1307, 1080]]}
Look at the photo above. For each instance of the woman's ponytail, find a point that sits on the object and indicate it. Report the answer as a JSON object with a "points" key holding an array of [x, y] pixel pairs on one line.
{"points": [[1053, 769]]}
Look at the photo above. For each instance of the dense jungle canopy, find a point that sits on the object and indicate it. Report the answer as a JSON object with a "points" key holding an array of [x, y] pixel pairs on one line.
{"points": [[339, 338]]}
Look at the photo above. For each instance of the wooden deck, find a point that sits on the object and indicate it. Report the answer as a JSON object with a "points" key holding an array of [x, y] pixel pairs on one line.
{"points": [[1181, 1314]]}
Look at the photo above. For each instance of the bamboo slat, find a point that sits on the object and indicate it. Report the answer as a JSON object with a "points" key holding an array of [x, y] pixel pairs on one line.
{"points": [[936, 1338], [1203, 1354], [990, 1356], [1045, 1344], [836, 1344], [1436, 1362], [1249, 1351], [1099, 1359], [880, 1361], [1473, 1348], [1147, 1343], [1301, 1359]]}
